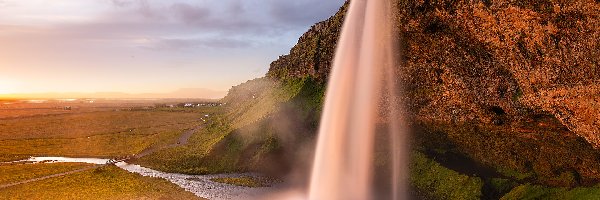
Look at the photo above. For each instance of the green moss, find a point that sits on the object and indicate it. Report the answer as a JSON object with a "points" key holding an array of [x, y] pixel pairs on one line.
{"points": [[514, 174], [502, 185], [440, 182], [528, 191], [498, 187], [270, 145]]}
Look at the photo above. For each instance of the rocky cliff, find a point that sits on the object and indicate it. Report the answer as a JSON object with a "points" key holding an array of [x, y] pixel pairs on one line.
{"points": [[313, 55], [513, 85]]}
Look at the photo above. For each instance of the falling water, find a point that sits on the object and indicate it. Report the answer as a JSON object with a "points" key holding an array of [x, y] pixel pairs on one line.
{"points": [[362, 73]]}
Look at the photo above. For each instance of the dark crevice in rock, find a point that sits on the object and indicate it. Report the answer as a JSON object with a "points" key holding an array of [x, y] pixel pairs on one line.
{"points": [[497, 110], [463, 164], [436, 26]]}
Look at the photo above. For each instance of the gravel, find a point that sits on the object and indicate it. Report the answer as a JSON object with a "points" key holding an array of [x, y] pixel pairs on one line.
{"points": [[202, 186]]}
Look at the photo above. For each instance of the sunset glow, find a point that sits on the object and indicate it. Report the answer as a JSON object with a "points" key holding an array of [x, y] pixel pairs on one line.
{"points": [[7, 87], [145, 46]]}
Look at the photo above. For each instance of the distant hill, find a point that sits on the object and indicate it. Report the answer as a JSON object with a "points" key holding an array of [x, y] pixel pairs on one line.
{"points": [[184, 93]]}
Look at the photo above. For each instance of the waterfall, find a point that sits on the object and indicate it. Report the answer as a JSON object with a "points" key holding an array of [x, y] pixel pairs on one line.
{"points": [[362, 73]]}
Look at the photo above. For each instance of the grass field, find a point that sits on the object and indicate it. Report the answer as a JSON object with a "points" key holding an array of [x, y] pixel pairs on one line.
{"points": [[12, 173], [248, 181], [21, 108], [107, 182], [11, 157], [96, 134], [108, 131], [92, 124]]}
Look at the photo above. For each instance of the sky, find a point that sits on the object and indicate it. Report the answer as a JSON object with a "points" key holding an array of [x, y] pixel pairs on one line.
{"points": [[146, 46]]}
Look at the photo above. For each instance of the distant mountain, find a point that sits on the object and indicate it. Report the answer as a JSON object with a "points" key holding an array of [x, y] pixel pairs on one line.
{"points": [[184, 93]]}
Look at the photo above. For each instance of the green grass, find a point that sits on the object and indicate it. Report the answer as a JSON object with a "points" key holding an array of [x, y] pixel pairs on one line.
{"points": [[103, 183], [186, 159], [12, 173], [247, 181]]}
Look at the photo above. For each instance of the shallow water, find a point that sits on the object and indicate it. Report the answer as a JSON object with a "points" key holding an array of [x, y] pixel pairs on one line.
{"points": [[200, 185], [98, 161]]}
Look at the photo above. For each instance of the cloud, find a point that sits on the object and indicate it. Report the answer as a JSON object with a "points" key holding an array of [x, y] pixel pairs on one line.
{"points": [[147, 11], [254, 17], [187, 25], [236, 8], [302, 12], [5, 3], [147, 43], [190, 14], [185, 44], [121, 3]]}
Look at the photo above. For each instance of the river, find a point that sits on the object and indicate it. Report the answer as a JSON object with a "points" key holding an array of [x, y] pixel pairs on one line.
{"points": [[200, 185]]}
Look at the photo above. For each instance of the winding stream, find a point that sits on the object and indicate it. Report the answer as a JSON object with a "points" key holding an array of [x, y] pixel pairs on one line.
{"points": [[200, 185]]}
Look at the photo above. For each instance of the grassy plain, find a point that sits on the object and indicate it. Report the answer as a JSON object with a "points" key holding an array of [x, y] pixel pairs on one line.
{"points": [[10, 157], [101, 130], [24, 108], [107, 182], [12, 173], [93, 134]]}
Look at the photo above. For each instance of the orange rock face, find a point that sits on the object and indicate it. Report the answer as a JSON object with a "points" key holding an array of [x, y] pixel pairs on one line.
{"points": [[511, 84], [548, 51]]}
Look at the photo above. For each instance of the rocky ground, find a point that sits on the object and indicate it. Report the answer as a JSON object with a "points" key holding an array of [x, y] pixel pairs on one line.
{"points": [[202, 186]]}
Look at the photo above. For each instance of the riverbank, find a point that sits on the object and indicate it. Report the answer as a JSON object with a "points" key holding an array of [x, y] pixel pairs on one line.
{"points": [[201, 186], [99, 182]]}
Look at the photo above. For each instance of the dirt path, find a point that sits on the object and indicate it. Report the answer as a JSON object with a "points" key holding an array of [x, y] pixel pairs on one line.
{"points": [[182, 140]]}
